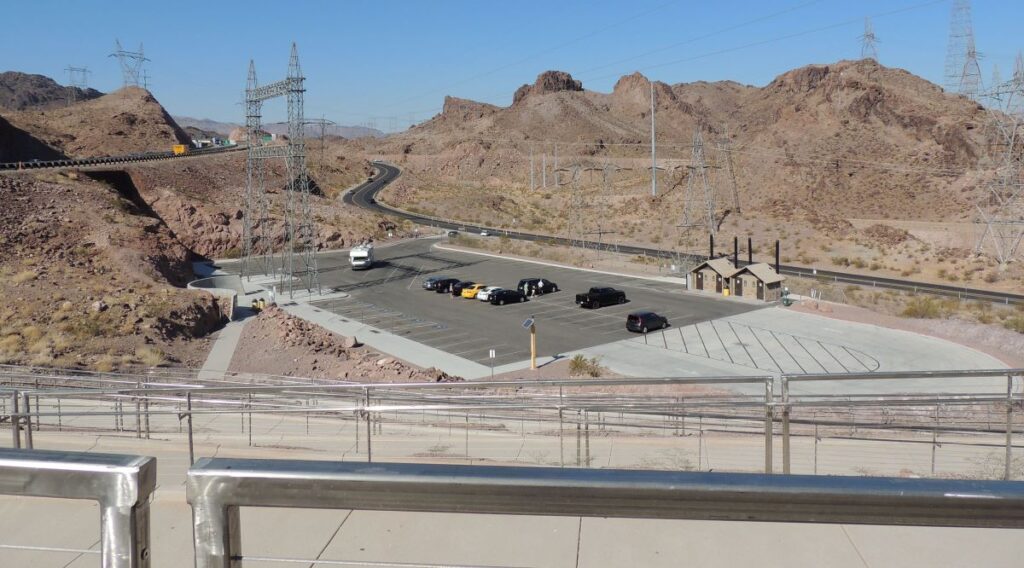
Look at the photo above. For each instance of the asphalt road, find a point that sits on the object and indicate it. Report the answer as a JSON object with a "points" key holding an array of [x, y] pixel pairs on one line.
{"points": [[364, 196], [390, 297]]}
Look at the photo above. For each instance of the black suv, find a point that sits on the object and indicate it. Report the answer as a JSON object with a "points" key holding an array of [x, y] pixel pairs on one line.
{"points": [[445, 285], [458, 286], [536, 286], [502, 297], [431, 283], [645, 321]]}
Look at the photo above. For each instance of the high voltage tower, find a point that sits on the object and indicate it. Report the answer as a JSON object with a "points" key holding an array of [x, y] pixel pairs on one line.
{"points": [[963, 74], [323, 123], [576, 205], [78, 79], [868, 42], [299, 225], [699, 204], [131, 63], [1001, 212], [725, 146]]}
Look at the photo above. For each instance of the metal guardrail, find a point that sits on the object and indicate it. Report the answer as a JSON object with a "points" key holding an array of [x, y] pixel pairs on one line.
{"points": [[217, 488], [121, 484]]}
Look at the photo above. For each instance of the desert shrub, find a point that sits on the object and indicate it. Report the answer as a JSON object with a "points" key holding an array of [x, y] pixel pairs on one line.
{"points": [[580, 365], [24, 276], [840, 261], [1015, 323], [149, 356], [924, 307], [232, 252]]}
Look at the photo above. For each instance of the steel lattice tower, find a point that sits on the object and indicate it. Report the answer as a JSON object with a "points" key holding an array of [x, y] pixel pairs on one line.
{"points": [[699, 203], [869, 43], [299, 225], [1001, 213], [963, 74], [131, 63], [576, 205], [78, 79]]}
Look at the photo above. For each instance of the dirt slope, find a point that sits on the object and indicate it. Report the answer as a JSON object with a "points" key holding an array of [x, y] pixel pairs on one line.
{"points": [[126, 121], [91, 279], [16, 145]]}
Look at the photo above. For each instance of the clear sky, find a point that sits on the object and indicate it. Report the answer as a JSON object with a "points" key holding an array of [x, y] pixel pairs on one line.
{"points": [[389, 60]]}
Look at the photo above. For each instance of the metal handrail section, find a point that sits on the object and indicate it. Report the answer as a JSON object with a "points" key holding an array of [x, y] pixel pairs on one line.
{"points": [[121, 484], [217, 488]]}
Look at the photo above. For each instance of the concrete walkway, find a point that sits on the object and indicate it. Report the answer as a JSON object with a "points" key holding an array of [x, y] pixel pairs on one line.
{"points": [[219, 359]]}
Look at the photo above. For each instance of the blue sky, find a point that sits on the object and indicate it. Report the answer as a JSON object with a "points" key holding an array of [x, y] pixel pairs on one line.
{"points": [[388, 61]]}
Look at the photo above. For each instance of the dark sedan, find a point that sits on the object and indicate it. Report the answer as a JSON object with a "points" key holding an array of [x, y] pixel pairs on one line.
{"points": [[502, 297], [643, 322], [431, 283], [458, 286], [445, 285]]}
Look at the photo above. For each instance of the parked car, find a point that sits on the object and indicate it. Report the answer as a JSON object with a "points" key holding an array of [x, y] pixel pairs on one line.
{"points": [[645, 321], [502, 297], [459, 286], [598, 297], [431, 283], [536, 286], [453, 233], [445, 285], [485, 294], [470, 292], [485, 233]]}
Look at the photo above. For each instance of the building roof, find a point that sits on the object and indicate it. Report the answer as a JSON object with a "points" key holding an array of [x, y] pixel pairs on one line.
{"points": [[722, 265], [763, 272]]}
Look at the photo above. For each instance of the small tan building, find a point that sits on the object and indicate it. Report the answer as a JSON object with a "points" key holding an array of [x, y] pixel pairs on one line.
{"points": [[712, 275], [757, 281]]}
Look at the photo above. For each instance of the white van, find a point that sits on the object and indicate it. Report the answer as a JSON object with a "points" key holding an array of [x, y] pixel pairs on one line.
{"points": [[361, 257]]}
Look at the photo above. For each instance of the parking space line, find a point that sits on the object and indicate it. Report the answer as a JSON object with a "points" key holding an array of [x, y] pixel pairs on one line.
{"points": [[813, 358], [786, 349], [743, 345]]}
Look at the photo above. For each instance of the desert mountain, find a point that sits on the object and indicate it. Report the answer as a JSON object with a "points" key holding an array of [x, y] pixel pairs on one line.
{"points": [[849, 136], [126, 121], [20, 91]]}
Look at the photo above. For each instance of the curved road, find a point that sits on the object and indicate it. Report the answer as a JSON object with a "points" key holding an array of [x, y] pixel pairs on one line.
{"points": [[365, 196]]}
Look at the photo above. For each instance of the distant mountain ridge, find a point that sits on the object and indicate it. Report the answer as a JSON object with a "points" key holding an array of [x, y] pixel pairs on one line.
{"points": [[21, 91], [225, 128]]}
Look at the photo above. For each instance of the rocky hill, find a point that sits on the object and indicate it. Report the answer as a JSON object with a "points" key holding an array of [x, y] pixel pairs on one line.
{"points": [[16, 145], [126, 121], [21, 91]]}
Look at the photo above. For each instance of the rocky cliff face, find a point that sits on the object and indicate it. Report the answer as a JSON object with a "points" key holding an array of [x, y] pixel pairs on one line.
{"points": [[22, 91], [548, 82]]}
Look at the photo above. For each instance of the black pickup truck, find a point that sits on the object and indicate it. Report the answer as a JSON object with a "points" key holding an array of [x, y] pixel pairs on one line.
{"points": [[598, 297]]}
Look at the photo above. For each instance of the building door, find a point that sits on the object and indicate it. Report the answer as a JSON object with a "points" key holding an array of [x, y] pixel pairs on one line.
{"points": [[760, 290], [700, 279], [737, 285], [718, 283]]}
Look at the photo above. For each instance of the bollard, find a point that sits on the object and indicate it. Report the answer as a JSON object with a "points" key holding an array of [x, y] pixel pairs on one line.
{"points": [[191, 441]]}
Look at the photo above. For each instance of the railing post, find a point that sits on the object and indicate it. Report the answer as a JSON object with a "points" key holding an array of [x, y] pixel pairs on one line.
{"points": [[768, 423], [217, 535], [1009, 427], [27, 421], [124, 531], [138, 411], [369, 427], [785, 426], [191, 442], [15, 421]]}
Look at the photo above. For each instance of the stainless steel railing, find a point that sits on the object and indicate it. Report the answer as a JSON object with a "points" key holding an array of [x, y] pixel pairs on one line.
{"points": [[217, 488], [121, 484]]}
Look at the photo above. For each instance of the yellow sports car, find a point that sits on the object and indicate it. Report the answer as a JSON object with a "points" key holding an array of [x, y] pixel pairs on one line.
{"points": [[470, 291]]}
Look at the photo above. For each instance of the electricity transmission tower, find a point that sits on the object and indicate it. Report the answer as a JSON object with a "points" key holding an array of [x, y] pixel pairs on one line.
{"points": [[131, 63], [868, 45], [576, 206], [78, 80], [725, 146], [963, 74], [699, 204], [299, 225], [1001, 211], [323, 123]]}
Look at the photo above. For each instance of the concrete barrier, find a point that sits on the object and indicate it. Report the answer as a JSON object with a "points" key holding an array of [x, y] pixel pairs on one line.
{"points": [[225, 286]]}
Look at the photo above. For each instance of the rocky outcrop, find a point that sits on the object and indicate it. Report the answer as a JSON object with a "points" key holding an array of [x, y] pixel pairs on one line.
{"points": [[548, 82]]}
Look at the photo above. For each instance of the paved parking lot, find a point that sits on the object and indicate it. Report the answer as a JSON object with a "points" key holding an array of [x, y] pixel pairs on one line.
{"points": [[390, 297]]}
